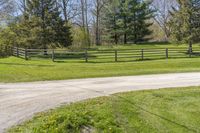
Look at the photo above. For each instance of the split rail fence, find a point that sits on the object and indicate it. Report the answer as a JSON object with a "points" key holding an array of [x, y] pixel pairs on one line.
{"points": [[89, 55]]}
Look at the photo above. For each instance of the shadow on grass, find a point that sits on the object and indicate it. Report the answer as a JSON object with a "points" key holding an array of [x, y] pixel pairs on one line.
{"points": [[154, 43], [135, 60], [157, 115], [19, 64], [68, 61], [139, 107]]}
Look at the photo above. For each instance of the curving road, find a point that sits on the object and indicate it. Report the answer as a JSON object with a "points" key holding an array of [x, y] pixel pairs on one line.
{"points": [[20, 101]]}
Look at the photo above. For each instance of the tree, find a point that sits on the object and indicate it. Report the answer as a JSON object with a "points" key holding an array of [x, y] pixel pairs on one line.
{"points": [[185, 22], [7, 8], [84, 20], [138, 20], [7, 37], [110, 18], [123, 16], [45, 23], [99, 4], [132, 20], [162, 14], [69, 9]]}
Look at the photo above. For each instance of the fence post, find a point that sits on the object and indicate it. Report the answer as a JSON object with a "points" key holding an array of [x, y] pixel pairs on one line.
{"points": [[116, 56], [86, 55], [53, 55], [142, 54], [26, 54], [167, 53]]}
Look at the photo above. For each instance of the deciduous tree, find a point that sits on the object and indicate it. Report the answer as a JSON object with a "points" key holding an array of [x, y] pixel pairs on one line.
{"points": [[185, 22]]}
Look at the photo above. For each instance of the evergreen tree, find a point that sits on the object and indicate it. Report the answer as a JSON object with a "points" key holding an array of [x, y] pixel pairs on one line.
{"points": [[46, 25], [130, 19], [138, 20], [28, 33], [111, 21], [185, 22], [123, 14]]}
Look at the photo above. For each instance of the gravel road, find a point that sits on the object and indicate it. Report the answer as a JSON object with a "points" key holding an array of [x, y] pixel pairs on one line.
{"points": [[20, 101]]}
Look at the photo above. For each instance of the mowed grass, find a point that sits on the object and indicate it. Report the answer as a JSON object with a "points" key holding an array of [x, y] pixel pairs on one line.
{"points": [[145, 46], [18, 70], [157, 111]]}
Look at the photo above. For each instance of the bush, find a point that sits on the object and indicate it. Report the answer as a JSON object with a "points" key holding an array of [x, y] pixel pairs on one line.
{"points": [[5, 50], [7, 39]]}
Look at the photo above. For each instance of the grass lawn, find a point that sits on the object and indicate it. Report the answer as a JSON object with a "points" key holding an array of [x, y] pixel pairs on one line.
{"points": [[158, 111], [17, 70], [145, 45]]}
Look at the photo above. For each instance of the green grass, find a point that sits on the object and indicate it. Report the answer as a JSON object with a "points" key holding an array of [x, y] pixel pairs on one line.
{"points": [[158, 111], [18, 70], [130, 52], [145, 45]]}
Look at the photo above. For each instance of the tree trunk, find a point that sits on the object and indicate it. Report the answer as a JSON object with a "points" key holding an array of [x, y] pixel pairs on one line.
{"points": [[65, 10], [87, 25], [190, 49], [135, 29], [24, 12], [125, 30], [125, 38], [116, 39], [115, 36], [97, 27], [83, 13], [43, 28], [135, 37]]}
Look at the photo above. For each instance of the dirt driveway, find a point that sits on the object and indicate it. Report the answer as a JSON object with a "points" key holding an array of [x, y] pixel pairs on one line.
{"points": [[20, 101]]}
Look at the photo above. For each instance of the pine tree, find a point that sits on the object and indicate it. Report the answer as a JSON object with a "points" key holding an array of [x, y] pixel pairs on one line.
{"points": [[43, 16], [196, 21], [131, 20], [185, 22], [138, 20], [111, 21], [123, 14]]}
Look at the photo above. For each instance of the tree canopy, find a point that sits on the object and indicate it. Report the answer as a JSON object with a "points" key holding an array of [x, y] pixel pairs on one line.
{"points": [[83, 23], [185, 22]]}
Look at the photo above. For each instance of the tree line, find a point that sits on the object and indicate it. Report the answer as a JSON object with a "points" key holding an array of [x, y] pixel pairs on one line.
{"points": [[83, 23]]}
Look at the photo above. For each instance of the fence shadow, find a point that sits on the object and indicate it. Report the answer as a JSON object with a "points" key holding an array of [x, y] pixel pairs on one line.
{"points": [[19, 64]]}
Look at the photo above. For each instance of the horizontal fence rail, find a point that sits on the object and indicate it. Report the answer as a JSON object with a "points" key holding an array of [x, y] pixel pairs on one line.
{"points": [[20, 52], [120, 55]]}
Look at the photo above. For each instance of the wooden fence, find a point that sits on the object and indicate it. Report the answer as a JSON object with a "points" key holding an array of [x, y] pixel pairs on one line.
{"points": [[120, 55], [20, 52]]}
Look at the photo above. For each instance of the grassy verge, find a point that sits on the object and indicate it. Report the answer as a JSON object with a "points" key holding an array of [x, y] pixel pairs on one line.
{"points": [[18, 70], [166, 110]]}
